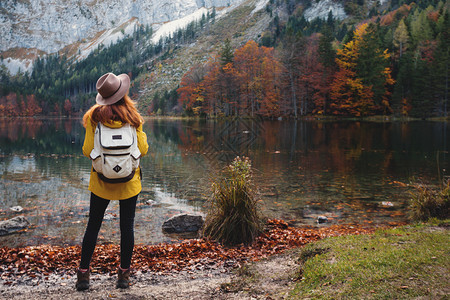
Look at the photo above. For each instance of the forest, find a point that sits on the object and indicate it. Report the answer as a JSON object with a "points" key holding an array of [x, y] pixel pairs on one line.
{"points": [[390, 62], [62, 86], [395, 64]]}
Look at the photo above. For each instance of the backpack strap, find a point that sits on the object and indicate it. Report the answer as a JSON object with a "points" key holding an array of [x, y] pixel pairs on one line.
{"points": [[115, 180]]}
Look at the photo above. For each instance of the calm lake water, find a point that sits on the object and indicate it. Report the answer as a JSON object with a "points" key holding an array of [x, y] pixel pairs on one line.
{"points": [[351, 172]]}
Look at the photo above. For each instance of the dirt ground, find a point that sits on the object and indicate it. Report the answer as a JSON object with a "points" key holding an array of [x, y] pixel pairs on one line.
{"points": [[270, 278]]}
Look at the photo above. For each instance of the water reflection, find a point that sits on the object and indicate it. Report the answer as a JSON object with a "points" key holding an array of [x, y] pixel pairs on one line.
{"points": [[347, 171]]}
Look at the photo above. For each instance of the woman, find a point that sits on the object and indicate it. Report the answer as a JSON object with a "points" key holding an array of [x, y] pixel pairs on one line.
{"points": [[113, 109]]}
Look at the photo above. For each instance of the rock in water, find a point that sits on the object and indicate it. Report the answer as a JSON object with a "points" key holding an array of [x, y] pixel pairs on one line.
{"points": [[13, 225], [17, 208], [109, 217], [322, 219], [183, 223]]}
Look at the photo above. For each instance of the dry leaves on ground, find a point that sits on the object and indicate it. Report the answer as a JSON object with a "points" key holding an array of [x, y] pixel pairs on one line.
{"points": [[43, 260]]}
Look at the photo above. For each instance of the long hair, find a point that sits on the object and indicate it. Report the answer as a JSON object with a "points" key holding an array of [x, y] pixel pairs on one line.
{"points": [[123, 110]]}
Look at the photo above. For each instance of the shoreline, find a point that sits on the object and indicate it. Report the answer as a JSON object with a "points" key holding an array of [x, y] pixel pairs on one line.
{"points": [[318, 118], [51, 270], [283, 274]]}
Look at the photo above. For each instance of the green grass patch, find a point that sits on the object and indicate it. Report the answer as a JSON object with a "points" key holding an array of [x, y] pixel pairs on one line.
{"points": [[401, 263]]}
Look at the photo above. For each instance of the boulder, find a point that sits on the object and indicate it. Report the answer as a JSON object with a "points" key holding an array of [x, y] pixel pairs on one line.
{"points": [[183, 223], [322, 219], [13, 225], [17, 208]]}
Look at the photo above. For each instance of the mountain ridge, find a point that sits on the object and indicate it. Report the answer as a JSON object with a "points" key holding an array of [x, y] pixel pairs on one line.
{"points": [[78, 27], [50, 26]]}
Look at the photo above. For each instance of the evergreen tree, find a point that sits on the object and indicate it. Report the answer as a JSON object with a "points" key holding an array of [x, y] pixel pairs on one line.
{"points": [[226, 53], [326, 52], [330, 20], [440, 76], [420, 28], [373, 67]]}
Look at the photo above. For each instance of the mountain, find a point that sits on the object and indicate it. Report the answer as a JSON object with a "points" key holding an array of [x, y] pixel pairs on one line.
{"points": [[31, 28], [160, 57]]}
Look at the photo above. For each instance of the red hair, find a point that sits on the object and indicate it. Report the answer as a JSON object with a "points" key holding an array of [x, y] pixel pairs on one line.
{"points": [[123, 110]]}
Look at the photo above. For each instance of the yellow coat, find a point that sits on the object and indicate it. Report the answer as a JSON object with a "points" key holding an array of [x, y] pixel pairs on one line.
{"points": [[114, 191]]}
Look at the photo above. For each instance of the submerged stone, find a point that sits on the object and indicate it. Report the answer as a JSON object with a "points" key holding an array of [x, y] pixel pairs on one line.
{"points": [[183, 223], [17, 208], [322, 219], [13, 225]]}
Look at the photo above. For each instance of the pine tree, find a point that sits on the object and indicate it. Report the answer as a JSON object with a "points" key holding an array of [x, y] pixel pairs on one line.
{"points": [[420, 28], [326, 51], [441, 59], [373, 67], [226, 53]]}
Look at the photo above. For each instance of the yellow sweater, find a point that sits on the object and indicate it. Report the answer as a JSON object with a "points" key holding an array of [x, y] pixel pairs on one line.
{"points": [[114, 191]]}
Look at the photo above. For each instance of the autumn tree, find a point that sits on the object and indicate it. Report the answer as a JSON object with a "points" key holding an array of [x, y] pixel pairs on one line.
{"points": [[191, 90], [68, 107], [401, 37], [361, 83], [221, 84], [249, 84], [258, 72], [213, 88], [10, 106]]}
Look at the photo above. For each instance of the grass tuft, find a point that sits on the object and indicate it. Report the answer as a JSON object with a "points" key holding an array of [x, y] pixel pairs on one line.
{"points": [[427, 202], [234, 216]]}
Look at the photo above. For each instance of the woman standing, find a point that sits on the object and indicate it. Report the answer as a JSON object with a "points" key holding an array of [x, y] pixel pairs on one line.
{"points": [[114, 109]]}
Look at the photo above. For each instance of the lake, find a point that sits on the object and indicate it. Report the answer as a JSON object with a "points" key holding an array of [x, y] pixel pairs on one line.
{"points": [[348, 171]]}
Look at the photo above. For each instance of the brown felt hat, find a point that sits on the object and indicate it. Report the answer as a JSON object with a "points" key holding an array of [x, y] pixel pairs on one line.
{"points": [[112, 88]]}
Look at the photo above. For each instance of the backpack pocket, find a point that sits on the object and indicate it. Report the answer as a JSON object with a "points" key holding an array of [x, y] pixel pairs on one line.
{"points": [[117, 165]]}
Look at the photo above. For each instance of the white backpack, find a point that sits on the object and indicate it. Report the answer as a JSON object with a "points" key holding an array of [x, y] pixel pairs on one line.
{"points": [[116, 155]]}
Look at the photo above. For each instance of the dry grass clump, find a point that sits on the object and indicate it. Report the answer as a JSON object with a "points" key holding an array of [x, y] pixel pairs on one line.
{"points": [[427, 202], [234, 215]]}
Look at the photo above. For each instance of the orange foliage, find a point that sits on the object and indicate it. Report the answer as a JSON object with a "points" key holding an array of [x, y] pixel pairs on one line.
{"points": [[258, 72], [191, 91], [13, 105], [433, 15], [249, 85], [426, 50], [389, 18], [68, 107], [349, 94], [316, 80]]}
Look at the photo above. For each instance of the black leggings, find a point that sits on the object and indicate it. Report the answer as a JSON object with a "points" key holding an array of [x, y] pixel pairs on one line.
{"points": [[96, 212]]}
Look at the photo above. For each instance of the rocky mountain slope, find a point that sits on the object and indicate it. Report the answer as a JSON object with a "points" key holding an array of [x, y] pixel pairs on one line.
{"points": [[243, 23], [32, 28], [35, 27]]}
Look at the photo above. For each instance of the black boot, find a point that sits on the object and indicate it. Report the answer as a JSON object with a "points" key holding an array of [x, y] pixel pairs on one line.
{"points": [[123, 278], [82, 280]]}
